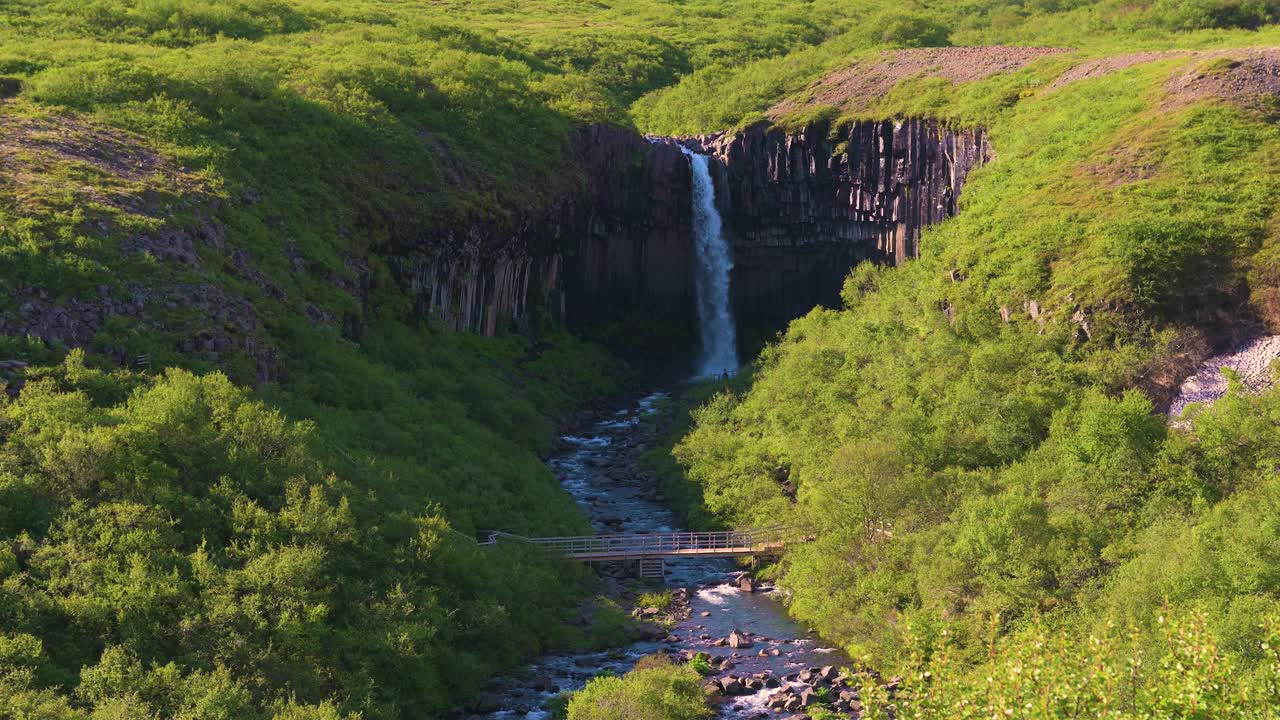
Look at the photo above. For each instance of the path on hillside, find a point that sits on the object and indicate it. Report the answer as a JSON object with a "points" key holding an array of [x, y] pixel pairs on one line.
{"points": [[598, 465]]}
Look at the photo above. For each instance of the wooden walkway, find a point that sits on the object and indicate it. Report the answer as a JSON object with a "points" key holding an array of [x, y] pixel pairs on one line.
{"points": [[642, 546]]}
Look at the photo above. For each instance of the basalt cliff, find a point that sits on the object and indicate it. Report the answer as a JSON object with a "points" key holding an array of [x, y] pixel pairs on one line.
{"points": [[613, 257], [800, 209]]}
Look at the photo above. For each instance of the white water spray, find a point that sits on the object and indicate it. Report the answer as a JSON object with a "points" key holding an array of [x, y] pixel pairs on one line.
{"points": [[715, 316]]}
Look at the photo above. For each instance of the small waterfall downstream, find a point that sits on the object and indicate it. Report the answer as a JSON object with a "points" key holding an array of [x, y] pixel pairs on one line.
{"points": [[715, 316]]}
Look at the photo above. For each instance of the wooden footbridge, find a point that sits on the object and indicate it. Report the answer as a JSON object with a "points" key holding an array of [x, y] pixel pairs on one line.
{"points": [[653, 549]]}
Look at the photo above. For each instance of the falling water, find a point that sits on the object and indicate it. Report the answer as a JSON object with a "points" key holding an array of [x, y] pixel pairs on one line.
{"points": [[715, 317]]}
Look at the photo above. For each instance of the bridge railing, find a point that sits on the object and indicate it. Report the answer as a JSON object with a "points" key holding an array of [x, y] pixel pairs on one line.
{"points": [[656, 543]]}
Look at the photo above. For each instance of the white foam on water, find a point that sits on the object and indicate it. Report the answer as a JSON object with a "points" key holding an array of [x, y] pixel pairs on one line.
{"points": [[717, 595], [599, 441]]}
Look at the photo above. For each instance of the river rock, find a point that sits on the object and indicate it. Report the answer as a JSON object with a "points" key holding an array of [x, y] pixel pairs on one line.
{"points": [[731, 686], [746, 584], [807, 697], [487, 703], [543, 683], [738, 640]]}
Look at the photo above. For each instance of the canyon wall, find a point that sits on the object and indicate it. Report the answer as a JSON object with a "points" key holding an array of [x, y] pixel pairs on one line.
{"points": [[803, 208], [800, 210], [616, 249]]}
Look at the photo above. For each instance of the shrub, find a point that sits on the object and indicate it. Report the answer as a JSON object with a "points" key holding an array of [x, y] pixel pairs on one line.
{"points": [[655, 693], [911, 30]]}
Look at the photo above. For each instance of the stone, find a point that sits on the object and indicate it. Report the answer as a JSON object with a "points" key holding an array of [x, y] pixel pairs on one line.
{"points": [[738, 640], [746, 584], [807, 697], [543, 683], [487, 703]]}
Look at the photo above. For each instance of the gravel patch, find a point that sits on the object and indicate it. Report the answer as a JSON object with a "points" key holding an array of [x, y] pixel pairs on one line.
{"points": [[1252, 362], [871, 79]]}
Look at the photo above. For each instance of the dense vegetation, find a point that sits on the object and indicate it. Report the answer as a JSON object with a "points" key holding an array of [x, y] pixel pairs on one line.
{"points": [[975, 439], [177, 548], [286, 533], [655, 690]]}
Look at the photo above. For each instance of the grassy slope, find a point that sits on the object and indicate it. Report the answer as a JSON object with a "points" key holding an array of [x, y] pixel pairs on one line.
{"points": [[1018, 477], [348, 123]]}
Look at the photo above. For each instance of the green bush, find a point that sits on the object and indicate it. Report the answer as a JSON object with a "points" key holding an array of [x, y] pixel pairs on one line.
{"points": [[911, 30], [172, 545], [660, 692]]}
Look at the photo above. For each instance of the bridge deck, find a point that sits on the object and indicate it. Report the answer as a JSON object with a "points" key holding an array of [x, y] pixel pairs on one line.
{"points": [[732, 543]]}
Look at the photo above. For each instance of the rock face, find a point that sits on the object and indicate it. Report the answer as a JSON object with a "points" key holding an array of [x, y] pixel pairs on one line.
{"points": [[800, 209], [804, 208], [619, 245]]}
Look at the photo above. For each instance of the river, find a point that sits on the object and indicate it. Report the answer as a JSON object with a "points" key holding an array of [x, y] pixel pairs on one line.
{"points": [[597, 464]]}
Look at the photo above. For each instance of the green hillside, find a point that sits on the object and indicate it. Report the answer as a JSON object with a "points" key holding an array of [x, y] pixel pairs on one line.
{"points": [[242, 480], [975, 438]]}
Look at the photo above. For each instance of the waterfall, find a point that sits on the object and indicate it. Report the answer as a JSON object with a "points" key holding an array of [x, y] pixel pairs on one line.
{"points": [[715, 317]]}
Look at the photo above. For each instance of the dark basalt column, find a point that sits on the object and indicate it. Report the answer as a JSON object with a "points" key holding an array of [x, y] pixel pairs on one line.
{"points": [[801, 209]]}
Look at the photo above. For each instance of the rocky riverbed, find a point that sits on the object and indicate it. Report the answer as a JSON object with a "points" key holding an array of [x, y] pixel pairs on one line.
{"points": [[763, 663]]}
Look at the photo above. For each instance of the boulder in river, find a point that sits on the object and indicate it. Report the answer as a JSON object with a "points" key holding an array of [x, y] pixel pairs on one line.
{"points": [[731, 686], [486, 703], [543, 683], [738, 640]]}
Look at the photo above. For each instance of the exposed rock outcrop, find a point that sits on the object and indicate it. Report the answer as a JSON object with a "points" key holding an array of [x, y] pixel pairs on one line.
{"points": [[804, 208], [1251, 362], [801, 209], [619, 245]]}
